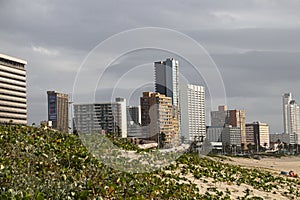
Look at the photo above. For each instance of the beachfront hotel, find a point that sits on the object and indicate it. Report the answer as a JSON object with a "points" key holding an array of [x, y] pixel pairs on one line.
{"points": [[13, 99]]}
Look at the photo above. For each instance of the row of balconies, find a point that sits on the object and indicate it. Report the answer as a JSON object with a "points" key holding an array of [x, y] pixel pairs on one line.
{"points": [[11, 69], [12, 104], [13, 76]]}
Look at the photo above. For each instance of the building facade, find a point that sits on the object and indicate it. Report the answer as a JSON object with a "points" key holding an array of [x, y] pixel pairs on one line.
{"points": [[213, 133], [134, 128], [101, 118], [236, 118], [231, 138], [123, 124], [158, 113], [58, 112], [166, 79], [193, 120], [291, 120], [133, 114], [218, 117], [13, 99], [257, 134]]}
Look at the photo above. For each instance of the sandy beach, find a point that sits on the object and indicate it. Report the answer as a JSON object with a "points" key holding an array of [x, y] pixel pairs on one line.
{"points": [[273, 164]]}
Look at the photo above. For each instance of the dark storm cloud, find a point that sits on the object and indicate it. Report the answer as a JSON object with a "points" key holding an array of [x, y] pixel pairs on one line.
{"points": [[254, 43]]}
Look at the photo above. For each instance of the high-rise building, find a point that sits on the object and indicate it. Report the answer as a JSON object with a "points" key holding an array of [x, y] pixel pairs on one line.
{"points": [[291, 121], [145, 102], [101, 118], [58, 104], [133, 114], [286, 99], [193, 123], [235, 118], [123, 124], [213, 133], [158, 113], [231, 136], [258, 134], [218, 117], [13, 106], [166, 79], [134, 128]]}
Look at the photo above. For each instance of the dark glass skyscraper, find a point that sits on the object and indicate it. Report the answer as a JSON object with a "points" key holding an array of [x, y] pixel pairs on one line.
{"points": [[58, 110], [166, 79]]}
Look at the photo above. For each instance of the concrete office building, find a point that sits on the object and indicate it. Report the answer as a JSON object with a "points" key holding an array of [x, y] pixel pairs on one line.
{"points": [[193, 122], [101, 118], [291, 120], [158, 113], [257, 133], [235, 118], [213, 133], [218, 117], [123, 124], [133, 114], [231, 136], [134, 122], [58, 112], [13, 104]]}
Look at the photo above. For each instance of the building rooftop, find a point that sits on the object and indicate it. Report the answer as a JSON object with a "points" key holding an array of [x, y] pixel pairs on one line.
{"points": [[13, 59]]}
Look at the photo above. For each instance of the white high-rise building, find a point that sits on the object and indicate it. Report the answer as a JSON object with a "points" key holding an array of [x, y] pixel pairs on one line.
{"points": [[286, 98], [192, 101], [291, 121], [13, 98], [123, 124]]}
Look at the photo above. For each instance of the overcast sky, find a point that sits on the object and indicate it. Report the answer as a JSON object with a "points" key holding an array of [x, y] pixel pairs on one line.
{"points": [[254, 43]]}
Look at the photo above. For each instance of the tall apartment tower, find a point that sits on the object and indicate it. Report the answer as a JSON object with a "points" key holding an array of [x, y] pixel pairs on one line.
{"points": [[166, 79], [13, 106], [58, 104], [218, 117], [286, 99], [236, 118], [231, 136], [158, 114], [192, 101], [133, 114], [258, 134], [123, 124], [291, 121], [101, 117]]}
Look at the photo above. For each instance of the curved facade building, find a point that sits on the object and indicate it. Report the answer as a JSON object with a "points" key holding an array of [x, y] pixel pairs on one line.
{"points": [[13, 104]]}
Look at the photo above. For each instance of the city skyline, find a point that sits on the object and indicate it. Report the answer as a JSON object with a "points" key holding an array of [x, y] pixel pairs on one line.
{"points": [[254, 44]]}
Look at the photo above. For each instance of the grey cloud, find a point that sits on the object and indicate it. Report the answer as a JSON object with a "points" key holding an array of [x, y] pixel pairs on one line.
{"points": [[254, 43]]}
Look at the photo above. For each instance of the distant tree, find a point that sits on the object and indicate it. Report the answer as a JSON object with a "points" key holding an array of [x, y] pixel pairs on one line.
{"points": [[280, 146], [243, 147], [162, 139], [249, 146], [226, 148], [278, 141], [182, 138], [233, 149]]}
